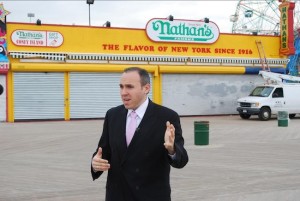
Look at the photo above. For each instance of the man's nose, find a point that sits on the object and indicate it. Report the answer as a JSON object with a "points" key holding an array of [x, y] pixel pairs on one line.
{"points": [[123, 91]]}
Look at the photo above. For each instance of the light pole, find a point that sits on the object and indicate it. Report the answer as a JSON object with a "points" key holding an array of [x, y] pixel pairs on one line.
{"points": [[30, 15], [90, 2]]}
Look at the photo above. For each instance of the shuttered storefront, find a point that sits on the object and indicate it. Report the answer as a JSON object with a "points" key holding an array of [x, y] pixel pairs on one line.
{"points": [[92, 94], [38, 96], [201, 94]]}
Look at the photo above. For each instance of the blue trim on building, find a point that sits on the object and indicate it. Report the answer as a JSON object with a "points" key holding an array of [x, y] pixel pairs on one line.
{"points": [[254, 70]]}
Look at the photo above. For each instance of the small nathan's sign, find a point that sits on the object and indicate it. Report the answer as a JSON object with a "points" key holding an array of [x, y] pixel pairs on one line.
{"points": [[287, 28], [37, 38], [182, 31]]}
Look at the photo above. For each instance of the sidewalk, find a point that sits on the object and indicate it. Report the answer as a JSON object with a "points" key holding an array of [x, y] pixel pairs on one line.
{"points": [[246, 160]]}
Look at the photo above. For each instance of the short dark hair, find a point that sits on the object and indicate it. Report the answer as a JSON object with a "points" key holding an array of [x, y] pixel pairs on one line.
{"points": [[144, 75]]}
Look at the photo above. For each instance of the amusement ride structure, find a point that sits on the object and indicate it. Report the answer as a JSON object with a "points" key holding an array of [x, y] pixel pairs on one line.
{"points": [[262, 17]]}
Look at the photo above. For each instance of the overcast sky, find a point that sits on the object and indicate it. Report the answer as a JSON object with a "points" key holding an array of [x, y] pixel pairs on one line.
{"points": [[127, 14]]}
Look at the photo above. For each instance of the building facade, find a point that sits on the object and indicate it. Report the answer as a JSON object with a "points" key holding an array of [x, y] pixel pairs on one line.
{"points": [[72, 72]]}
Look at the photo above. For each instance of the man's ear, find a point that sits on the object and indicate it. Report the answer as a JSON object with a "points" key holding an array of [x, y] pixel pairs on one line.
{"points": [[147, 88]]}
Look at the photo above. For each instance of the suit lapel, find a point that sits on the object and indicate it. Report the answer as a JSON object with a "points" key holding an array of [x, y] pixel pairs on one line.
{"points": [[122, 146], [145, 123]]}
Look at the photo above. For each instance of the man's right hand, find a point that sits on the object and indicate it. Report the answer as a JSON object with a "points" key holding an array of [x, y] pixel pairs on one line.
{"points": [[98, 163]]}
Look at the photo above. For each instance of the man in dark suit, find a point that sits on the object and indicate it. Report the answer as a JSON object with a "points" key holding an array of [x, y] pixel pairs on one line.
{"points": [[139, 166]]}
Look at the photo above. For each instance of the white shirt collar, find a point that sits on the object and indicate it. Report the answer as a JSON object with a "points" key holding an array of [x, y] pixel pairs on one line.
{"points": [[140, 111]]}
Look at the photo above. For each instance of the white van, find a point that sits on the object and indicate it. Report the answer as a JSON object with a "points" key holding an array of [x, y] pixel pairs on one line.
{"points": [[266, 100]]}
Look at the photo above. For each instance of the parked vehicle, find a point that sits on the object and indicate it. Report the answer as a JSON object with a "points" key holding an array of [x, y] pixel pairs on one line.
{"points": [[275, 95]]}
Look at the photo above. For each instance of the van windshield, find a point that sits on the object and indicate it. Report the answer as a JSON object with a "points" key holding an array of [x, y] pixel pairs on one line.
{"points": [[262, 91]]}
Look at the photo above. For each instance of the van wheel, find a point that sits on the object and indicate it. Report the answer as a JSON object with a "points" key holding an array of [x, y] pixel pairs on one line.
{"points": [[264, 114], [245, 116], [291, 116]]}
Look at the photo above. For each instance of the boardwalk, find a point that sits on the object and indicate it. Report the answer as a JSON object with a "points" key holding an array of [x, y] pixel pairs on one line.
{"points": [[246, 160]]}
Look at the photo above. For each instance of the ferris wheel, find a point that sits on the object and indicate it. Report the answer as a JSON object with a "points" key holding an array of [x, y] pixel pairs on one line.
{"points": [[260, 17]]}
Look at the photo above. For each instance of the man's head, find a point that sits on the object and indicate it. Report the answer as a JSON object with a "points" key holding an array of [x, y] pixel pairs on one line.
{"points": [[134, 87]]}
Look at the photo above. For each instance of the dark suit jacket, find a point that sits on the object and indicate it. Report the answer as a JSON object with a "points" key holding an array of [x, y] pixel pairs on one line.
{"points": [[141, 171]]}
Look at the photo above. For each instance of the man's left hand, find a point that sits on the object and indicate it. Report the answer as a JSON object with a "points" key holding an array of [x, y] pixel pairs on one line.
{"points": [[170, 138]]}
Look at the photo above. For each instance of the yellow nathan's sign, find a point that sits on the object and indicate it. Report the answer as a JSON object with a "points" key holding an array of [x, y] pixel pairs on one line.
{"points": [[123, 41]]}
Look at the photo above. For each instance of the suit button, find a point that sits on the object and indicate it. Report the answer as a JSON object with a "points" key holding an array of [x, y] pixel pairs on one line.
{"points": [[137, 188], [137, 170]]}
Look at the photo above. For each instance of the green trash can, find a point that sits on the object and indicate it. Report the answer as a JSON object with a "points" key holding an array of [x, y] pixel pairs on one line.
{"points": [[283, 118], [201, 129]]}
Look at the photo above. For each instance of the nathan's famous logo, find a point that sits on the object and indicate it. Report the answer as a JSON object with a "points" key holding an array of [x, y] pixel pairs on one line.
{"points": [[29, 35], [182, 31], [203, 33]]}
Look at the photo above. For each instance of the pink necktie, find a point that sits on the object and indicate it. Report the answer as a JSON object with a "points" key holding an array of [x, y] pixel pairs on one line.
{"points": [[131, 127]]}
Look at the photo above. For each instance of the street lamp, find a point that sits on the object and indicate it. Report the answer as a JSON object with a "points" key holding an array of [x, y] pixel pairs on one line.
{"points": [[30, 15], [90, 2], [170, 18], [107, 24]]}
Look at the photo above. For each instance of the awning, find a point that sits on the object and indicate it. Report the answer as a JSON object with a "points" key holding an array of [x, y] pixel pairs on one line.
{"points": [[125, 57], [40, 55], [149, 59]]}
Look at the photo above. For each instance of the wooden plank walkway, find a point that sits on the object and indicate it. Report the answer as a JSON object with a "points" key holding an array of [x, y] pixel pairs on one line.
{"points": [[246, 160]]}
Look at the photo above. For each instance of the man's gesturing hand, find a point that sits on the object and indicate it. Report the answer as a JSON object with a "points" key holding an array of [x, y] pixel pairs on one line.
{"points": [[98, 163], [169, 138]]}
